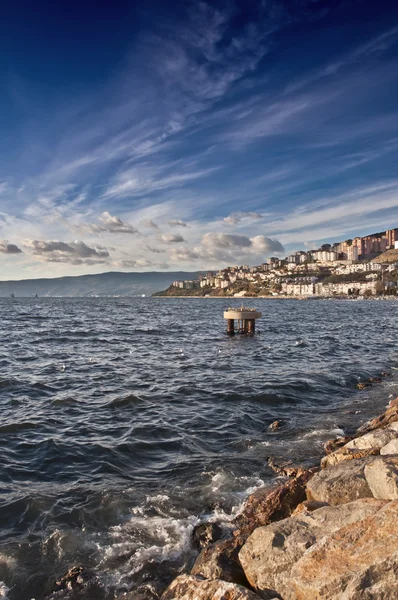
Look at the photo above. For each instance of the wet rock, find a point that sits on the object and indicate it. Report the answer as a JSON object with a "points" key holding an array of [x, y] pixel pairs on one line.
{"points": [[266, 506], [374, 379], [205, 534], [286, 469], [341, 483], [75, 577], [345, 453], [146, 591], [188, 587], [382, 477], [363, 385], [332, 445], [358, 561], [390, 448], [373, 439], [220, 561], [388, 417], [270, 553], [275, 425]]}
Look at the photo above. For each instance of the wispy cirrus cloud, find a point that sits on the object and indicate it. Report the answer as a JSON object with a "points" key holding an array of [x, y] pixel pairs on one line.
{"points": [[212, 119], [177, 223], [238, 216]]}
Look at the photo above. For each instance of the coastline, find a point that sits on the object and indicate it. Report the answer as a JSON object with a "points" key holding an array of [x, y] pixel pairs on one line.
{"points": [[288, 536], [346, 505], [311, 298]]}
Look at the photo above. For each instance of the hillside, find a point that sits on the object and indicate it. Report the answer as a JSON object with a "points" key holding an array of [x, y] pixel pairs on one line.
{"points": [[391, 256], [103, 284]]}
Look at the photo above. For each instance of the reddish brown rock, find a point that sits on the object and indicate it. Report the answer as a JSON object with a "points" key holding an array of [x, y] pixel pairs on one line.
{"points": [[205, 534], [221, 561], [266, 506], [332, 445], [358, 561], [270, 553], [275, 425], [188, 587]]}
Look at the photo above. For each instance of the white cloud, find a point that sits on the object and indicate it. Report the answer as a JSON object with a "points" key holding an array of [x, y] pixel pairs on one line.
{"points": [[110, 224]]}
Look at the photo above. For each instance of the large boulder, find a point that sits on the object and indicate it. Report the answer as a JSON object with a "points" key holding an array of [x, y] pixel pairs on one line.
{"points": [[267, 505], [270, 553], [188, 587], [382, 477], [359, 561], [390, 448], [220, 561], [373, 439], [341, 483]]}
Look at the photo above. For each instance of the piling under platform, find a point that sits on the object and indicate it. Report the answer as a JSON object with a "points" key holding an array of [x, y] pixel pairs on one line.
{"points": [[245, 317]]}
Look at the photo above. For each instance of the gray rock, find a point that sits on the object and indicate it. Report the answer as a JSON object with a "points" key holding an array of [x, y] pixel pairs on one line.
{"points": [[390, 448], [382, 477], [373, 439], [188, 587], [341, 483]]}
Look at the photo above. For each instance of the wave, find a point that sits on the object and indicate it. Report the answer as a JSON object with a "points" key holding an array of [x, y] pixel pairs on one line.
{"points": [[130, 400]]}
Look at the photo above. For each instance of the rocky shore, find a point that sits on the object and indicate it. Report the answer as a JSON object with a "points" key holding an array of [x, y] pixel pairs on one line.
{"points": [[325, 533], [330, 532]]}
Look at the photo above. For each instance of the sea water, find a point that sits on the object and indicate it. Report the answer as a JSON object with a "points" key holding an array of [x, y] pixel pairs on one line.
{"points": [[127, 421]]}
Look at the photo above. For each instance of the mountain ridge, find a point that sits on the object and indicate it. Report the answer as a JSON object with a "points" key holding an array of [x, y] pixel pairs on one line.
{"points": [[111, 283]]}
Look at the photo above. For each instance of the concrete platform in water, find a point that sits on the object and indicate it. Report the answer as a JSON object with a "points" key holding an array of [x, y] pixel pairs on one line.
{"points": [[245, 317]]}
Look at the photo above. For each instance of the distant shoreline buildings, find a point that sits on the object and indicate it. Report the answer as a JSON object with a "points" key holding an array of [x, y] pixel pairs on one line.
{"points": [[342, 268]]}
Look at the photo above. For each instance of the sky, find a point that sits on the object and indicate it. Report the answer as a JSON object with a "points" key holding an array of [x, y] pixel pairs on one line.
{"points": [[187, 135]]}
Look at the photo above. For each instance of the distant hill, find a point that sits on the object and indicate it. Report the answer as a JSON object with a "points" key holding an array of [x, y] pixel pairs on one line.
{"points": [[104, 284]]}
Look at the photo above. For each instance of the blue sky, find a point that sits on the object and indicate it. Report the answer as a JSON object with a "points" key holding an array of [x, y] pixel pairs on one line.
{"points": [[189, 135]]}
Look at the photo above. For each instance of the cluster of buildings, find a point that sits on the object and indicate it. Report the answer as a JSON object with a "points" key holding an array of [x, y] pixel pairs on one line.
{"points": [[343, 268]]}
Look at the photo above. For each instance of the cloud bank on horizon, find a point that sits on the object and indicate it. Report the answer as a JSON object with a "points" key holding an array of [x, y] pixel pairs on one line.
{"points": [[147, 136]]}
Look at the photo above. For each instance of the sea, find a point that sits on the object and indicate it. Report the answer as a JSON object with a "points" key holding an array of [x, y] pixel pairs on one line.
{"points": [[125, 422]]}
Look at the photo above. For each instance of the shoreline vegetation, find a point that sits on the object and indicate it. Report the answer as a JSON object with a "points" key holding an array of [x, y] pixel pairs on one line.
{"points": [[328, 531]]}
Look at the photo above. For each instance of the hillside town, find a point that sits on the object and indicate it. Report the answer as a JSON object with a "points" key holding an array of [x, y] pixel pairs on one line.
{"points": [[360, 267]]}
